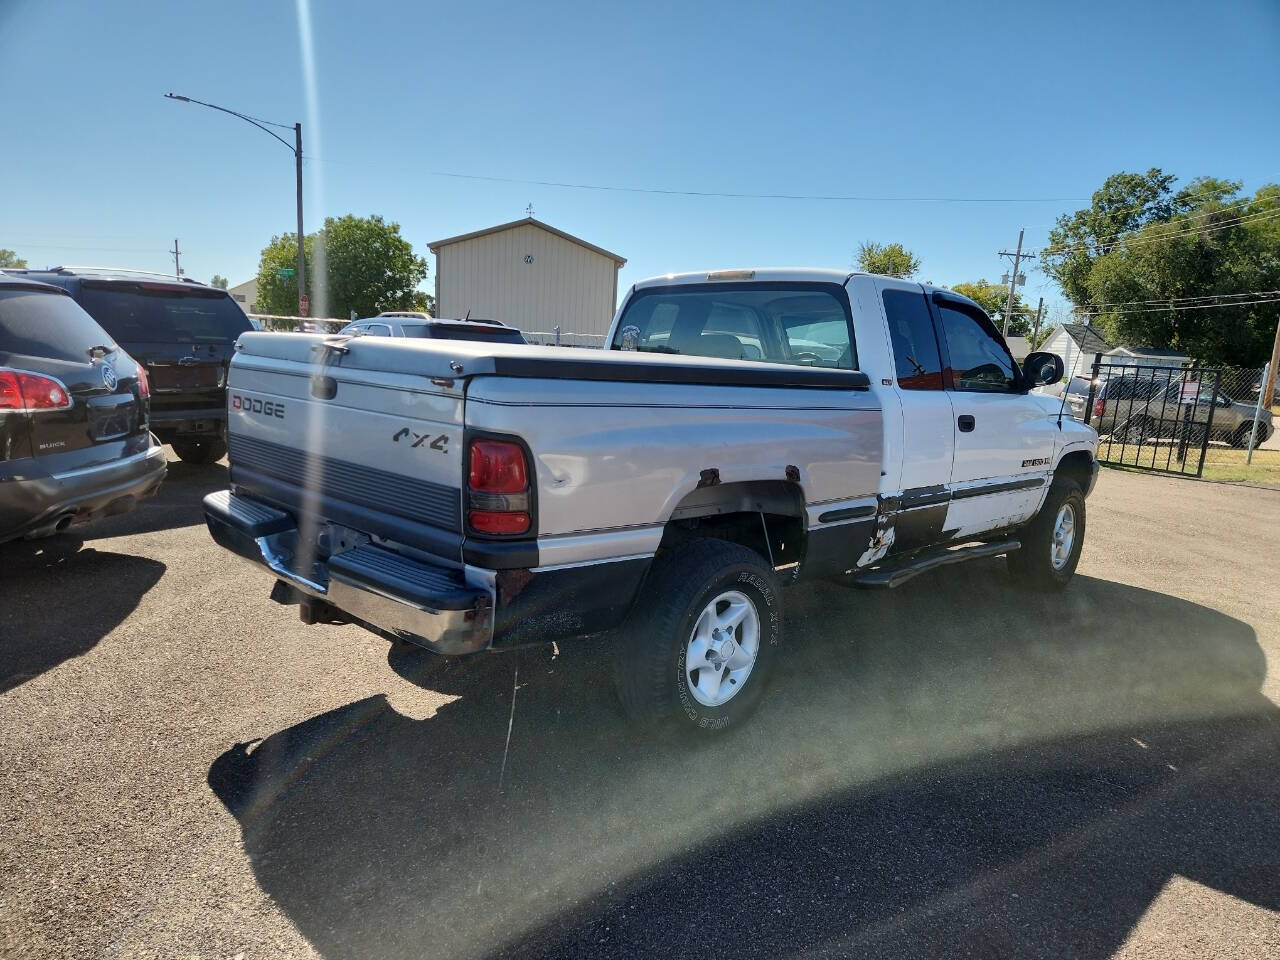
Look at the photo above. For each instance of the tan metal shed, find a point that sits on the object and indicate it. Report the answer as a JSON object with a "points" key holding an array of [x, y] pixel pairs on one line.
{"points": [[530, 275]]}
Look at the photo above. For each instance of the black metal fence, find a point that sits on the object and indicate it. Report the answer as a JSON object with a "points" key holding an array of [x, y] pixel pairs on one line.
{"points": [[1169, 419]]}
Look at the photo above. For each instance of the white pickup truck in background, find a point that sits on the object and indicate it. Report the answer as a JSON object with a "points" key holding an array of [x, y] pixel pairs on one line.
{"points": [[745, 429]]}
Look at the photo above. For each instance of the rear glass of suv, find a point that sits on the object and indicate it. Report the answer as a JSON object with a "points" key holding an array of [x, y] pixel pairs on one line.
{"points": [[473, 331], [34, 323], [140, 312]]}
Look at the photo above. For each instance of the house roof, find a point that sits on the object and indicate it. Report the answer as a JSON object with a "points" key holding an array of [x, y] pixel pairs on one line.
{"points": [[1018, 346], [1086, 337], [1151, 352], [530, 221]]}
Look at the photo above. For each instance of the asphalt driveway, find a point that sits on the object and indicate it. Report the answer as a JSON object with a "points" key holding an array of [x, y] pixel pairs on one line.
{"points": [[951, 768]]}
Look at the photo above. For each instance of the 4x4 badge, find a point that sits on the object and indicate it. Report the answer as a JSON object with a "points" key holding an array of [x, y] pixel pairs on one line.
{"points": [[109, 379], [440, 443]]}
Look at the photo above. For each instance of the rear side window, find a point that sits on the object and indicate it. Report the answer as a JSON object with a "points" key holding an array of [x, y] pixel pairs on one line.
{"points": [[915, 344], [980, 361], [135, 313], [798, 323], [36, 324]]}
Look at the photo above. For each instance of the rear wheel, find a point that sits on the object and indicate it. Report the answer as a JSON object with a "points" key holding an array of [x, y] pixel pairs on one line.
{"points": [[200, 451], [1135, 430], [1240, 439], [701, 644], [1052, 541]]}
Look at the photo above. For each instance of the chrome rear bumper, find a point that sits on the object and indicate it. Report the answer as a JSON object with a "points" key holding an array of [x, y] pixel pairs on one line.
{"points": [[432, 606]]}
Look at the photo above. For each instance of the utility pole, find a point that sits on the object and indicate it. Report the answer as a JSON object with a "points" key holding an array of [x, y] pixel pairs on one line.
{"points": [[177, 265], [304, 304], [1035, 331], [1269, 388], [1018, 257]]}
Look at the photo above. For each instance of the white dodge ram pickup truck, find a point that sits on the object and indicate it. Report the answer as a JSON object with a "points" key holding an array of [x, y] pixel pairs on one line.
{"points": [[745, 428]]}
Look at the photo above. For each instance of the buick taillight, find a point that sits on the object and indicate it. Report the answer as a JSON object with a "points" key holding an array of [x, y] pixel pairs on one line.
{"points": [[1099, 407], [498, 500], [24, 392]]}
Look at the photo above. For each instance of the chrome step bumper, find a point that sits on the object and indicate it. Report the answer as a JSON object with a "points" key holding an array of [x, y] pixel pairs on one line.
{"points": [[432, 606]]}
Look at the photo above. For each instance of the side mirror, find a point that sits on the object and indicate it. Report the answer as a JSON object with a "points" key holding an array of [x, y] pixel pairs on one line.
{"points": [[1041, 369]]}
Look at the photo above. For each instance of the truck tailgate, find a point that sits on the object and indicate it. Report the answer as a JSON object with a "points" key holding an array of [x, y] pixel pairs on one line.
{"points": [[355, 433]]}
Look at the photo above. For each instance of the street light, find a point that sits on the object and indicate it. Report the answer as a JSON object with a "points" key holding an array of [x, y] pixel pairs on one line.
{"points": [[296, 150]]}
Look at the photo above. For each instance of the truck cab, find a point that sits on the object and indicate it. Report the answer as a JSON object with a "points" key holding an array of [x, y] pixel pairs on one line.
{"points": [[968, 448]]}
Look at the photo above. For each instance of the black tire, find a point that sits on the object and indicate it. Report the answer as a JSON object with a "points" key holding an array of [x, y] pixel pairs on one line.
{"points": [[1134, 431], [200, 452], [650, 663], [1032, 565], [1240, 439]]}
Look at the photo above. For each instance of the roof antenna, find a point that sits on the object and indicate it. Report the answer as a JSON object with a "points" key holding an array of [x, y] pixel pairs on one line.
{"points": [[468, 316]]}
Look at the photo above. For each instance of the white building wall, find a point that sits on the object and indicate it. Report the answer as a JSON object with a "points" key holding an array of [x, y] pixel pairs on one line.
{"points": [[565, 285], [1074, 362]]}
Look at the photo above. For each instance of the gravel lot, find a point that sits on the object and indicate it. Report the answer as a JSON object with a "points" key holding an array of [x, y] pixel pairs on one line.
{"points": [[951, 768]]}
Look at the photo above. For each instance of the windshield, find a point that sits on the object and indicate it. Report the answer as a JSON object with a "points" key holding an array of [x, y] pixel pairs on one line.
{"points": [[38, 324], [801, 323], [136, 314]]}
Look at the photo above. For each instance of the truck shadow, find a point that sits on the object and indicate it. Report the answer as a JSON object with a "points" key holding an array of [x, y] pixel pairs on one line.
{"points": [[936, 770], [38, 628]]}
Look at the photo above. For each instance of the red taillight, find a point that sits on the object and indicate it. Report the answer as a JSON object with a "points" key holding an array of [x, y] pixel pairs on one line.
{"points": [[498, 489], [497, 467], [1099, 407], [25, 392], [144, 383], [498, 522]]}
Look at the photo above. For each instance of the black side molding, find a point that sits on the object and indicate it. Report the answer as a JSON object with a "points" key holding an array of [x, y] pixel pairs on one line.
{"points": [[997, 488], [847, 513]]}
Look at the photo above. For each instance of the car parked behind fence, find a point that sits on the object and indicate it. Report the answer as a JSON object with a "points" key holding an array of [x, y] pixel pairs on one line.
{"points": [[423, 327]]}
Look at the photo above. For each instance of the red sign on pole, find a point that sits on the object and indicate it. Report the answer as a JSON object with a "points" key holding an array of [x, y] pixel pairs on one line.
{"points": [[304, 305]]}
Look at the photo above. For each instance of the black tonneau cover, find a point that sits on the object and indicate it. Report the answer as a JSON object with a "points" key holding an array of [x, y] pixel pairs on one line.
{"points": [[461, 359]]}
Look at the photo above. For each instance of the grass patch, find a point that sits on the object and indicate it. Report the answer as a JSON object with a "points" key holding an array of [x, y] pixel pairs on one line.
{"points": [[1220, 463]]}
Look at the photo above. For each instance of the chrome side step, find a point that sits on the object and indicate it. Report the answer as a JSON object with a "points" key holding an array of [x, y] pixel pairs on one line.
{"points": [[895, 576]]}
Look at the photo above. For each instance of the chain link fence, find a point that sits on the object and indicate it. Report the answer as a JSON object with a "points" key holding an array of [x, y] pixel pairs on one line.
{"points": [[564, 338]]}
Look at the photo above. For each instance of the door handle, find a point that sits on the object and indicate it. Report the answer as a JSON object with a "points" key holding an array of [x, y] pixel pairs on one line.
{"points": [[966, 423]]}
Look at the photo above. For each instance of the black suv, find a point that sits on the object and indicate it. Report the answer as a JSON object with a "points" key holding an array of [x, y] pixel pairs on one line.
{"points": [[182, 331], [74, 443]]}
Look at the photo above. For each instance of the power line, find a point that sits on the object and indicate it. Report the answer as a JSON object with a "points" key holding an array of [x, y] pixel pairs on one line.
{"points": [[1182, 218], [1176, 309], [1131, 239], [743, 196], [1186, 299]]}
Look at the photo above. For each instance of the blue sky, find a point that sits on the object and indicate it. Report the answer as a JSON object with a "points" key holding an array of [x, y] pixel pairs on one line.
{"points": [[880, 100]]}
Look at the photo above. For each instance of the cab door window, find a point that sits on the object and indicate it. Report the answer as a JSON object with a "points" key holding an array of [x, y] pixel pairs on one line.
{"points": [[980, 361], [915, 343]]}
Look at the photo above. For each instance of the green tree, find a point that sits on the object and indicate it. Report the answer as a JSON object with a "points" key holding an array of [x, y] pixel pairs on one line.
{"points": [[367, 267], [887, 259], [218, 281], [10, 259], [993, 298], [1140, 243]]}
